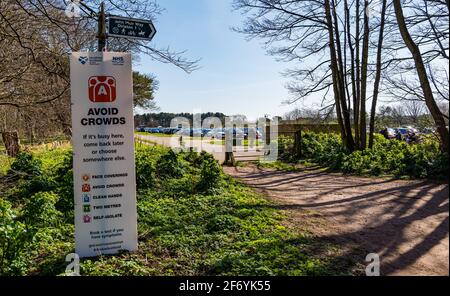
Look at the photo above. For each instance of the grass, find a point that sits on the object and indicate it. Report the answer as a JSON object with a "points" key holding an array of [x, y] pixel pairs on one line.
{"points": [[230, 230], [301, 165], [212, 141], [155, 134], [279, 165], [139, 141], [245, 143], [5, 163]]}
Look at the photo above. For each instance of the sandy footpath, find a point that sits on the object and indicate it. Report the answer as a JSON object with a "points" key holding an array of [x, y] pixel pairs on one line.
{"points": [[405, 222]]}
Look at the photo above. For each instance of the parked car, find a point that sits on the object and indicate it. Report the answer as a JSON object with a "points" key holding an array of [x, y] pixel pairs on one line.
{"points": [[197, 132], [428, 130], [185, 132], [238, 133], [412, 129], [165, 130], [191, 132], [252, 132], [217, 133], [391, 133], [401, 132], [388, 133], [205, 131], [153, 130], [174, 130]]}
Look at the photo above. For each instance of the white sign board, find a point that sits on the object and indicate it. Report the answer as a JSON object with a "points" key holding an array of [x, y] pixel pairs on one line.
{"points": [[103, 147]]}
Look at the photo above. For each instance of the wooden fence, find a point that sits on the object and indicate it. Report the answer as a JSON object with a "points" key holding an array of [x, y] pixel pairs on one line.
{"points": [[295, 128]]}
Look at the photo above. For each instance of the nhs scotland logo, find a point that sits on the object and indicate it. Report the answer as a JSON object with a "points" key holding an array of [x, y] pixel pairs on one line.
{"points": [[118, 61]]}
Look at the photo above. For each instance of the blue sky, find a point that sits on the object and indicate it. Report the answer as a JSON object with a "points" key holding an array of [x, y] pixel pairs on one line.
{"points": [[236, 75]]}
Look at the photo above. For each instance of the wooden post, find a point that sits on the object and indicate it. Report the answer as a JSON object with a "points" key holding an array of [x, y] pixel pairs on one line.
{"points": [[267, 136], [228, 158], [11, 140], [229, 141], [101, 34], [298, 143]]}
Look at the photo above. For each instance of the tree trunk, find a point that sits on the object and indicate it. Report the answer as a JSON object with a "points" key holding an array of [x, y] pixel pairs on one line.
{"points": [[334, 71], [352, 68], [11, 141], [423, 77], [365, 58], [358, 74], [341, 82], [377, 76]]}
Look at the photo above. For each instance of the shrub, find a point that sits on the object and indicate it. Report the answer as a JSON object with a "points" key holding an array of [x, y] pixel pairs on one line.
{"points": [[323, 148], [40, 210], [423, 160], [194, 158], [145, 170], [168, 166], [286, 149], [64, 186], [14, 239], [210, 173], [26, 165]]}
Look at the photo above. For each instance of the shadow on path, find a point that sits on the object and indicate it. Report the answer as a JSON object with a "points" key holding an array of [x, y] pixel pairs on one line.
{"points": [[405, 222]]}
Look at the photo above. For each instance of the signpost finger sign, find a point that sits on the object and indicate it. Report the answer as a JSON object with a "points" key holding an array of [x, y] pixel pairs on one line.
{"points": [[130, 28]]}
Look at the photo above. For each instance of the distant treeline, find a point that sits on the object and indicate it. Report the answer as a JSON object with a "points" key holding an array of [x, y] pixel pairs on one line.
{"points": [[164, 119]]}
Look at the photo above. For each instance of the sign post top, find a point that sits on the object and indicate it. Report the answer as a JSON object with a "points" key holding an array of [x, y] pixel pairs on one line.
{"points": [[130, 28]]}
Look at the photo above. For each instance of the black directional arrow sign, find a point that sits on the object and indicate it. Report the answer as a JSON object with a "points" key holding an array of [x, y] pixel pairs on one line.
{"points": [[130, 28]]}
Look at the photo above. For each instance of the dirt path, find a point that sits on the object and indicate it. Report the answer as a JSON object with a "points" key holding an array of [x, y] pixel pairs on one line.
{"points": [[405, 222]]}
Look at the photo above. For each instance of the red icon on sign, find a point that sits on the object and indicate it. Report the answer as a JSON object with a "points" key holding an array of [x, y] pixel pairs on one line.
{"points": [[86, 188], [102, 89], [87, 219]]}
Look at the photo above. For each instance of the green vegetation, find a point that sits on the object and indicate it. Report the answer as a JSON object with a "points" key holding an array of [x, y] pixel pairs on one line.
{"points": [[155, 135], [387, 157], [245, 143], [192, 220], [5, 163]]}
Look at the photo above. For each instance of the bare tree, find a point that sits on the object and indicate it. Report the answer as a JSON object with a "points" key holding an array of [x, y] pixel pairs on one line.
{"points": [[398, 115], [423, 76], [311, 115], [333, 45], [36, 37], [414, 109], [376, 86], [327, 45]]}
